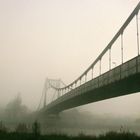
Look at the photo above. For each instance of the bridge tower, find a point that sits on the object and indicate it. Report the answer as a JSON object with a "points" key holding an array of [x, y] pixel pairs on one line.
{"points": [[50, 84]]}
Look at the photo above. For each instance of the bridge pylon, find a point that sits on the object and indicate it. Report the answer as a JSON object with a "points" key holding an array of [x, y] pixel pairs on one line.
{"points": [[54, 84]]}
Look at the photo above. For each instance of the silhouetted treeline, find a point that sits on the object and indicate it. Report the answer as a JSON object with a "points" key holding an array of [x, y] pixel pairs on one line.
{"points": [[24, 132], [32, 136], [21, 132]]}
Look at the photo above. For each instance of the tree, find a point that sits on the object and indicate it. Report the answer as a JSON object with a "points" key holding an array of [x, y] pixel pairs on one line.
{"points": [[15, 111], [3, 129], [36, 129]]}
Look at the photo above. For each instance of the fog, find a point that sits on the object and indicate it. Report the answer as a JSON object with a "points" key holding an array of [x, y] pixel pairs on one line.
{"points": [[60, 39], [74, 122], [71, 122]]}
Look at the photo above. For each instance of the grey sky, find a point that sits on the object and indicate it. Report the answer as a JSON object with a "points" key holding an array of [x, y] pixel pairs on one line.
{"points": [[57, 39]]}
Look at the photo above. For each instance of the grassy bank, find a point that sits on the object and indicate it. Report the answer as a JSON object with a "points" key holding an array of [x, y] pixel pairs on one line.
{"points": [[107, 136], [23, 132]]}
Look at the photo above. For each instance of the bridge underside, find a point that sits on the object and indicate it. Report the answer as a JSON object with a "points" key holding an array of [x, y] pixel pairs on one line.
{"points": [[119, 88]]}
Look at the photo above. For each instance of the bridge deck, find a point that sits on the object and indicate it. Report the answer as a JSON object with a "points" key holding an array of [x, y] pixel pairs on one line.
{"points": [[122, 80]]}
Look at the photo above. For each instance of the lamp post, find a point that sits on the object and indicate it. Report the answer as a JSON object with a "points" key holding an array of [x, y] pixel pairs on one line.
{"points": [[114, 64]]}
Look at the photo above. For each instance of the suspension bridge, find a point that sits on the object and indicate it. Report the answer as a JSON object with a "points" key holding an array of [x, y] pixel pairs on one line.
{"points": [[123, 79]]}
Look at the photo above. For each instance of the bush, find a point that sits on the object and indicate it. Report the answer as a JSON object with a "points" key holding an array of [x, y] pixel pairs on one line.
{"points": [[21, 128]]}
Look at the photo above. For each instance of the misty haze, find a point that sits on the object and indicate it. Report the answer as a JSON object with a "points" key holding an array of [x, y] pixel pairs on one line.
{"points": [[69, 68]]}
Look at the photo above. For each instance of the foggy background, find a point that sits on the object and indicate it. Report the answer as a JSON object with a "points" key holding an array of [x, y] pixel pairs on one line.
{"points": [[59, 39]]}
